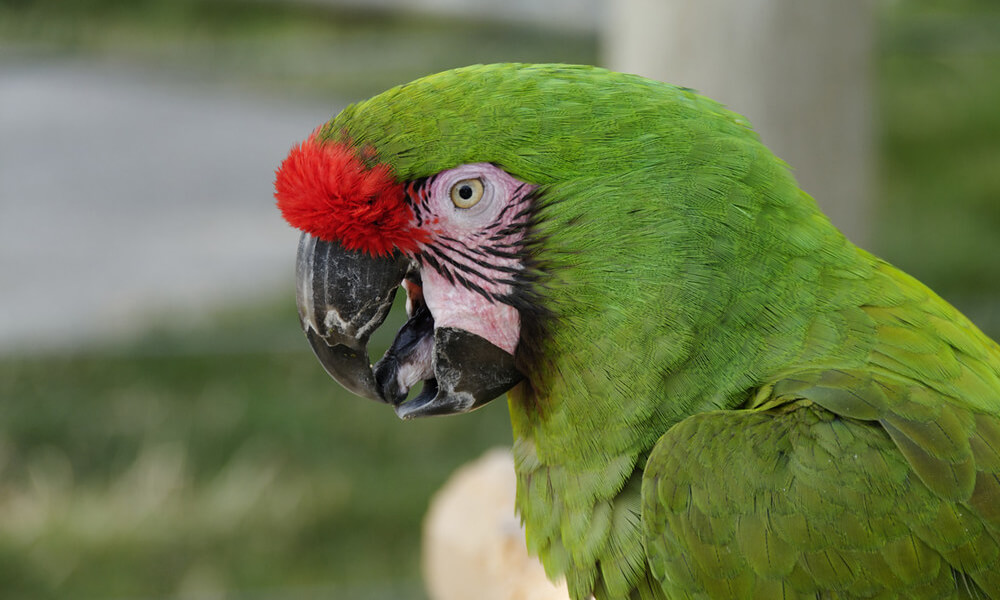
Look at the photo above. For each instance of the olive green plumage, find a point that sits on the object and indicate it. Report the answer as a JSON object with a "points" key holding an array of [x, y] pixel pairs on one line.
{"points": [[727, 398]]}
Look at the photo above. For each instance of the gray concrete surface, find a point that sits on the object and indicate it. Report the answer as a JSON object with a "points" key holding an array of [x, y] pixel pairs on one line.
{"points": [[127, 196]]}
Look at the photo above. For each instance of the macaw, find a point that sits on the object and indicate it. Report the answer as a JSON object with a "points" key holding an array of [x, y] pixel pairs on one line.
{"points": [[713, 393]]}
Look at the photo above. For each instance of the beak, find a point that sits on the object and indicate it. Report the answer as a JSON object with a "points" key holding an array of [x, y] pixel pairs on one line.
{"points": [[343, 296], [468, 372]]}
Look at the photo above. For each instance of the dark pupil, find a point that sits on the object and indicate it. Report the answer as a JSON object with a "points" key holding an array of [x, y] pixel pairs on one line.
{"points": [[465, 192]]}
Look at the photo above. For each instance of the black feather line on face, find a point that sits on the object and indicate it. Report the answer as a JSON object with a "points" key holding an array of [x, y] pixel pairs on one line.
{"points": [[434, 264], [439, 251], [469, 266], [517, 194], [503, 253], [528, 294], [475, 288], [482, 251], [415, 196]]}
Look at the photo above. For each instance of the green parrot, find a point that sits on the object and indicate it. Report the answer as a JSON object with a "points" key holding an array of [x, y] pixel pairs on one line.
{"points": [[713, 393]]}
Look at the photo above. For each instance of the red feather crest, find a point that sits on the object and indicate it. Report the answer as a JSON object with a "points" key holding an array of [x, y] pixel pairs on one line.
{"points": [[326, 190]]}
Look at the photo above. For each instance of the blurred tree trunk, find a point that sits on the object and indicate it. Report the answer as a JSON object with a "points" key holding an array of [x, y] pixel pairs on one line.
{"points": [[798, 69]]}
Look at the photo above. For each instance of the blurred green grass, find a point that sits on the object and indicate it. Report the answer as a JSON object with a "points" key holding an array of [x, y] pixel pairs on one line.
{"points": [[155, 471], [224, 463], [938, 210]]}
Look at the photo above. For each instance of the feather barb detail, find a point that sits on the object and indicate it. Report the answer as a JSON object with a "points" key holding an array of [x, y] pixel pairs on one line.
{"points": [[326, 190]]}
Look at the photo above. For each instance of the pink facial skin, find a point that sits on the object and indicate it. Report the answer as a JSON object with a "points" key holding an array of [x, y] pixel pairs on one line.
{"points": [[455, 306], [460, 239]]}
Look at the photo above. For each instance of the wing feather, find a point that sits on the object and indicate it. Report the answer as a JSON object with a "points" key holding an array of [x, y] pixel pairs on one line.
{"points": [[834, 483]]}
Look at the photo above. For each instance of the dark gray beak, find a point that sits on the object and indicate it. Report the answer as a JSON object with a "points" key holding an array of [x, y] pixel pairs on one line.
{"points": [[343, 296]]}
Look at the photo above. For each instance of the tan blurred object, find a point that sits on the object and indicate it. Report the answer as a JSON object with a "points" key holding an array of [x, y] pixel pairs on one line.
{"points": [[800, 71], [473, 542]]}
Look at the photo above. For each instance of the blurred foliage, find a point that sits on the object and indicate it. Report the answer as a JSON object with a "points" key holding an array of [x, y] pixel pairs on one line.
{"points": [[939, 106], [282, 47], [162, 472], [224, 463]]}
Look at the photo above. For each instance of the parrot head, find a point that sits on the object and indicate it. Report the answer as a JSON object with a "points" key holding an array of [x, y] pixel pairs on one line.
{"points": [[452, 241], [513, 203]]}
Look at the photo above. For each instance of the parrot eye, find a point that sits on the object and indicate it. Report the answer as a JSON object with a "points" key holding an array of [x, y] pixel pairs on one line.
{"points": [[467, 193]]}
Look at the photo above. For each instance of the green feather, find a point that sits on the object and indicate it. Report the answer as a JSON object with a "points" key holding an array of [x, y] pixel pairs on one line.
{"points": [[727, 398]]}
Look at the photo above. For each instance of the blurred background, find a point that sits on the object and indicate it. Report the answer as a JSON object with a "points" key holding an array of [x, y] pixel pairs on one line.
{"points": [[164, 429]]}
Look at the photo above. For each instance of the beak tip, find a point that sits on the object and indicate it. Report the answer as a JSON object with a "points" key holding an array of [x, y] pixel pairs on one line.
{"points": [[348, 366], [403, 414]]}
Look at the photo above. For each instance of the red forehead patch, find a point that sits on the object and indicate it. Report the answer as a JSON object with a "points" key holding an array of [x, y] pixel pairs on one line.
{"points": [[324, 189]]}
